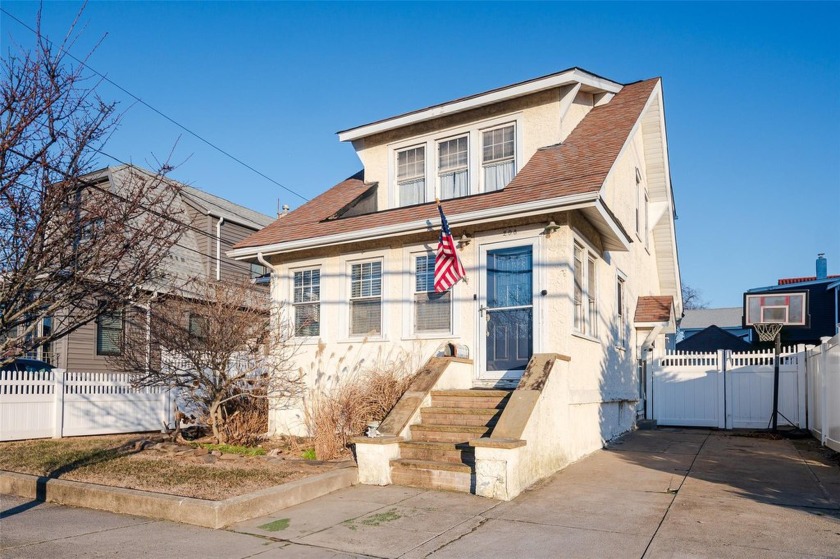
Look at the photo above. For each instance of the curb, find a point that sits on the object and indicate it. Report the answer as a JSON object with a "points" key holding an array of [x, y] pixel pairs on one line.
{"points": [[187, 510]]}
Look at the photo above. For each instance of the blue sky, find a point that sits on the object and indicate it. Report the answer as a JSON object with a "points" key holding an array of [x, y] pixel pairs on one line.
{"points": [[752, 99]]}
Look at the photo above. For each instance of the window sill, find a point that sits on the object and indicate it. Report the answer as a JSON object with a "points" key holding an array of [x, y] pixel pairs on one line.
{"points": [[432, 336], [306, 340], [358, 339], [586, 337]]}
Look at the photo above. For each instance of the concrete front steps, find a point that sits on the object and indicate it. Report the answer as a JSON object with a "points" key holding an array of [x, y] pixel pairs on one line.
{"points": [[439, 456]]}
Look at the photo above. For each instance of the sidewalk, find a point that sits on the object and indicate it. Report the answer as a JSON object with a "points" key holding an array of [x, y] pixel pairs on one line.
{"points": [[665, 493]]}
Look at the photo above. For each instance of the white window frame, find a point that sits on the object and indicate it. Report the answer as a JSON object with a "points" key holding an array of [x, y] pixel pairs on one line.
{"points": [[346, 265], [638, 203], [439, 172], [293, 305], [410, 255], [590, 307], [475, 149], [646, 224], [397, 180], [481, 132], [621, 309]]}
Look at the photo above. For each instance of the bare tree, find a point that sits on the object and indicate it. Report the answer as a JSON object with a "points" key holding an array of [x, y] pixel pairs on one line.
{"points": [[72, 244], [215, 345], [693, 298]]}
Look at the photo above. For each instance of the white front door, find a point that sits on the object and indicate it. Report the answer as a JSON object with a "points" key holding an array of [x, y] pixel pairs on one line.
{"points": [[507, 310]]}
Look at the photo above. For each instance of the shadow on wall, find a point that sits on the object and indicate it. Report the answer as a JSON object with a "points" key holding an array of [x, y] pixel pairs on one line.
{"points": [[618, 384]]}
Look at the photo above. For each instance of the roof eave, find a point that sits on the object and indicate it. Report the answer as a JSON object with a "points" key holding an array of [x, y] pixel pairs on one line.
{"points": [[574, 75], [565, 203]]}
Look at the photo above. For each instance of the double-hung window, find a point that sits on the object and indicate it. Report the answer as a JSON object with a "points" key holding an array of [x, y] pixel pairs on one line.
{"points": [[109, 333], [432, 311], [411, 176], [453, 164], [498, 157], [621, 318], [585, 292], [366, 298], [306, 301]]}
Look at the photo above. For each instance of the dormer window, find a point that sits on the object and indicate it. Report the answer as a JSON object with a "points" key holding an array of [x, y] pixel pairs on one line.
{"points": [[411, 175], [498, 157], [453, 167]]}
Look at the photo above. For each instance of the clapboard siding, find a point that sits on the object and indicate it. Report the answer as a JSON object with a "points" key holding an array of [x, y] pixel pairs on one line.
{"points": [[231, 269]]}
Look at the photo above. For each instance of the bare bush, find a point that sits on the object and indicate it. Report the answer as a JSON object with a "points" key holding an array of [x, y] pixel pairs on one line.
{"points": [[215, 345], [335, 415]]}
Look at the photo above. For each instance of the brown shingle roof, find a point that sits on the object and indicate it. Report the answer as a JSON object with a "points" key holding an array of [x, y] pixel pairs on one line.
{"points": [[654, 308], [578, 166]]}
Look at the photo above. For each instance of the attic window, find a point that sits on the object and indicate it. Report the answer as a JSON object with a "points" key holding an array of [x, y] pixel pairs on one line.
{"points": [[498, 157]]}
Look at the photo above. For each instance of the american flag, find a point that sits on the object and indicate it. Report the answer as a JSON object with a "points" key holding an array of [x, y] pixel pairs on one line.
{"points": [[448, 268]]}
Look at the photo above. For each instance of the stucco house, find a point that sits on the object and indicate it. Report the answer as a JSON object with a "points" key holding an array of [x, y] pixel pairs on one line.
{"points": [[215, 225], [559, 193]]}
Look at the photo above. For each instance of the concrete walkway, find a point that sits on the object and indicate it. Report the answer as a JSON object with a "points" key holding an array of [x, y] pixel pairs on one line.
{"points": [[665, 493]]}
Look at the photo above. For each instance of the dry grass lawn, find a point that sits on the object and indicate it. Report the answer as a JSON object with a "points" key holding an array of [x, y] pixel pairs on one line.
{"points": [[114, 461]]}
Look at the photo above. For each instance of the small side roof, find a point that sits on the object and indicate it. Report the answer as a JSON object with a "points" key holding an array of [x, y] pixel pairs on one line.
{"points": [[725, 317], [654, 309]]}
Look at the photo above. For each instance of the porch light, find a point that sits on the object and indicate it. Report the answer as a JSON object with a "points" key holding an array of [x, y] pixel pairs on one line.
{"points": [[464, 241], [551, 228]]}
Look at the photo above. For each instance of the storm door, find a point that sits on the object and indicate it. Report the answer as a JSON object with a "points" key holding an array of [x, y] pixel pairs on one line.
{"points": [[507, 311]]}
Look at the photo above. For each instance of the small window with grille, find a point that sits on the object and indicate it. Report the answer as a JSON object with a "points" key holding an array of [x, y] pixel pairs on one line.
{"points": [[306, 301]]}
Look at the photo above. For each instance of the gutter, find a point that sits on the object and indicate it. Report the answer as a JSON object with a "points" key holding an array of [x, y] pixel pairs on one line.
{"points": [[577, 201], [219, 247]]}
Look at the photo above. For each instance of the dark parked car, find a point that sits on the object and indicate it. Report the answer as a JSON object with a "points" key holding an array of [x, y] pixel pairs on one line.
{"points": [[27, 365]]}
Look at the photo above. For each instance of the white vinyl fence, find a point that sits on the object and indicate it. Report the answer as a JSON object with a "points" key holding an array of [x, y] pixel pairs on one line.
{"points": [[727, 390], [823, 365], [59, 403]]}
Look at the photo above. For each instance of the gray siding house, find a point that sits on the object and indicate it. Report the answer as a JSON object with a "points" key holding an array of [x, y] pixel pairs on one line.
{"points": [[216, 225]]}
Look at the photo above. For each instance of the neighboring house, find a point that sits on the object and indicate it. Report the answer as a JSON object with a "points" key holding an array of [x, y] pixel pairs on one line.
{"points": [[728, 319], [823, 304], [711, 339], [558, 190], [215, 226]]}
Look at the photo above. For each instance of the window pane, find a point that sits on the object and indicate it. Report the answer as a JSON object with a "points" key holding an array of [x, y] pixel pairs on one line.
{"points": [[109, 334], [498, 144], [411, 163], [454, 185], [498, 175], [412, 192], [452, 154], [308, 320], [365, 316], [578, 275], [432, 312], [425, 274], [591, 292]]}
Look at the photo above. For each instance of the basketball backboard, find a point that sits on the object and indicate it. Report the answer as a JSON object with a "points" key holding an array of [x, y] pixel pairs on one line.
{"points": [[787, 308]]}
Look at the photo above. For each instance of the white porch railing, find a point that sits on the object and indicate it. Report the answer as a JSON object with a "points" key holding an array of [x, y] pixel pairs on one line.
{"points": [[59, 403], [823, 366]]}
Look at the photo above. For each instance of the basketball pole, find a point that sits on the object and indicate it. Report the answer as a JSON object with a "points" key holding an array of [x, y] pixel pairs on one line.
{"points": [[776, 359]]}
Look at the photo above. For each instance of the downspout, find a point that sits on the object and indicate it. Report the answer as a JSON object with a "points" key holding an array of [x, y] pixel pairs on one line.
{"points": [[265, 263], [219, 248]]}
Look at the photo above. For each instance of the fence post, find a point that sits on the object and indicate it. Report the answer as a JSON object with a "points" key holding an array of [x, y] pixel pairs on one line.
{"points": [[722, 386], [58, 403], [824, 404], [801, 387], [726, 398]]}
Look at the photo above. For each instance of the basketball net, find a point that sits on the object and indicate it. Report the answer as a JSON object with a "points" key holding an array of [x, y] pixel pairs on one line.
{"points": [[767, 330]]}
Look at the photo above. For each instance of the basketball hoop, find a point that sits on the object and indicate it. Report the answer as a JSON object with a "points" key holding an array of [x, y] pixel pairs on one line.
{"points": [[767, 330]]}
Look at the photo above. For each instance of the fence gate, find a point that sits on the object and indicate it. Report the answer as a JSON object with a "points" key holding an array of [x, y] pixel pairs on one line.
{"points": [[727, 390]]}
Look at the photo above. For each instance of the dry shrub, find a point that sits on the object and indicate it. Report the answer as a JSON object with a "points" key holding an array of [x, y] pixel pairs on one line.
{"points": [[333, 417], [246, 421]]}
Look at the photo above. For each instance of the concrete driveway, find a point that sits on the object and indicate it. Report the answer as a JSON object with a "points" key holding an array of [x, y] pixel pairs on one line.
{"points": [[665, 493]]}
